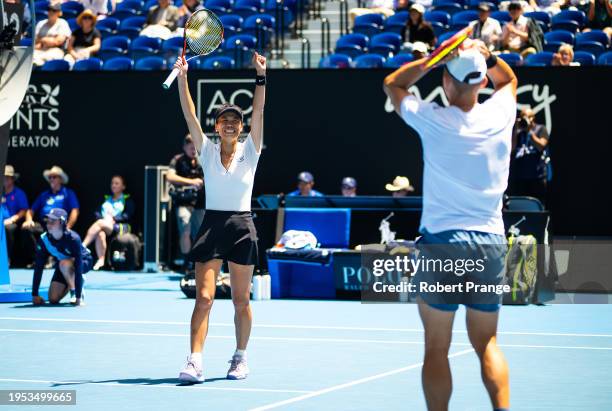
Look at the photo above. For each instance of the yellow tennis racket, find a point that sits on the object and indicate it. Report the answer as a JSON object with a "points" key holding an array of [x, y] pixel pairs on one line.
{"points": [[447, 47]]}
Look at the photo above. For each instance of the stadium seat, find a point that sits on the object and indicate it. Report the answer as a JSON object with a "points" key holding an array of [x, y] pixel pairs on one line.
{"points": [[438, 28], [437, 3], [124, 14], [540, 16], [560, 36], [232, 20], [240, 40], [605, 59], [384, 49], [354, 38], [464, 17], [502, 16], [72, 23], [439, 16], [226, 4], [41, 5], [445, 36], [71, 9], [55, 65], [135, 5], [369, 61], [401, 17], [571, 15], [114, 46], [393, 39], [335, 61], [245, 11], [451, 8], [351, 50], [594, 35], [267, 24], [584, 58], [543, 58], [90, 64], [150, 63], [473, 4], [144, 46], [118, 64], [399, 60], [524, 204], [369, 24], [149, 4], [592, 47], [513, 59], [568, 25], [218, 63], [286, 17], [132, 26], [251, 3], [25, 42], [218, 10], [108, 26]]}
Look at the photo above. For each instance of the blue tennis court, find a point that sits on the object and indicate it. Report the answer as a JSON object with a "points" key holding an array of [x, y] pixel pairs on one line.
{"points": [[125, 348]]}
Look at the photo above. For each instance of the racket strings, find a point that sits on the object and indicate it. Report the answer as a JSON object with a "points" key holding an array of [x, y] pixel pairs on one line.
{"points": [[203, 32]]}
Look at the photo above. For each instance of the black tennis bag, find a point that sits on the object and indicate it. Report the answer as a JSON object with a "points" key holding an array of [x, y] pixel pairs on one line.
{"points": [[125, 252], [223, 291]]}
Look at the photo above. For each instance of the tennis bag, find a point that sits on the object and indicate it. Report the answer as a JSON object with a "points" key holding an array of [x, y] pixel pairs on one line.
{"points": [[223, 291], [125, 252], [521, 269]]}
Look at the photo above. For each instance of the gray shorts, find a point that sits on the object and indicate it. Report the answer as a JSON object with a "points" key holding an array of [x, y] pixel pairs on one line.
{"points": [[189, 218]]}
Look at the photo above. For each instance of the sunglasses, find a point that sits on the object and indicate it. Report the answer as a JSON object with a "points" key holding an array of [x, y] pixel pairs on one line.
{"points": [[86, 18], [53, 177]]}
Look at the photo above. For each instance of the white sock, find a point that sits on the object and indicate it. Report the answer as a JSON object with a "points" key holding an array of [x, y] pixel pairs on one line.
{"points": [[240, 353], [196, 358]]}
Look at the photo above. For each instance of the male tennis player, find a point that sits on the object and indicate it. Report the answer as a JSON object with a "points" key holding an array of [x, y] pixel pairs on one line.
{"points": [[227, 231], [466, 151]]}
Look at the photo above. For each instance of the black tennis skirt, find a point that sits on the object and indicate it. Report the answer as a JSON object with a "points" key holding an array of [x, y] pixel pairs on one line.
{"points": [[226, 235]]}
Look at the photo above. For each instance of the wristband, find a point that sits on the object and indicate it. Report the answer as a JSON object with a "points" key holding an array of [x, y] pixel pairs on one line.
{"points": [[491, 61], [260, 80]]}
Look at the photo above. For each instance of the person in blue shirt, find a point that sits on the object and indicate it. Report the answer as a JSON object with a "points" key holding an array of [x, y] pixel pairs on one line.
{"points": [[14, 207], [305, 184], [112, 218], [72, 260], [57, 196]]}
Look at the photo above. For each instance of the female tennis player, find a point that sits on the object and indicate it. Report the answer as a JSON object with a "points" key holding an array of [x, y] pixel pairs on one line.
{"points": [[227, 231]]}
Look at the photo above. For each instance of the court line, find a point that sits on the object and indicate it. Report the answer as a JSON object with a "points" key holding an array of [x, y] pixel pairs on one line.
{"points": [[295, 327], [349, 384], [116, 384], [295, 339]]}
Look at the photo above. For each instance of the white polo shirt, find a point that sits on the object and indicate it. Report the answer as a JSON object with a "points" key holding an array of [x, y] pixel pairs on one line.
{"points": [[229, 189], [467, 162]]}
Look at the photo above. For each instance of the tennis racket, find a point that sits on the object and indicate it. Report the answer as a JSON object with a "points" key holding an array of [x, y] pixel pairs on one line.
{"points": [[448, 46], [203, 33]]}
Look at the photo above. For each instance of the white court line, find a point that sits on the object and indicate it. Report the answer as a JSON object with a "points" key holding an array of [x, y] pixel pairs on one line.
{"points": [[294, 327], [116, 384], [349, 384], [296, 339]]}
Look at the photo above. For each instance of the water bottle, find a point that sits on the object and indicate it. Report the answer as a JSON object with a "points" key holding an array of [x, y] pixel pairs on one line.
{"points": [[267, 286], [257, 288]]}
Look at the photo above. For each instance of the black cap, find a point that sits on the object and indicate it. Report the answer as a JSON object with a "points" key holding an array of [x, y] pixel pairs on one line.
{"points": [[484, 6], [229, 108]]}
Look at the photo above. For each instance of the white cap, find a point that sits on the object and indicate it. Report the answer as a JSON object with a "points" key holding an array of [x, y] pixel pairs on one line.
{"points": [[469, 67], [418, 7], [419, 46]]}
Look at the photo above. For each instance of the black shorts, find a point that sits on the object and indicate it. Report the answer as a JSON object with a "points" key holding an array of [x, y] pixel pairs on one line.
{"points": [[58, 277], [226, 235]]}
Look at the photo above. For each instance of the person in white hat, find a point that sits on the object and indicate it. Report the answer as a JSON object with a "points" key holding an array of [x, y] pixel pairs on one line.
{"points": [[400, 187], [14, 207], [417, 29], [466, 153]]}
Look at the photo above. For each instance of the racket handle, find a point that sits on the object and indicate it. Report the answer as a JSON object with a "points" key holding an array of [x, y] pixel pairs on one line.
{"points": [[170, 79]]}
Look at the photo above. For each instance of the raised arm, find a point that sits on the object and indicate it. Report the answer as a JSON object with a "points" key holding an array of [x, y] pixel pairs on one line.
{"points": [[187, 104], [396, 84], [501, 75], [259, 100]]}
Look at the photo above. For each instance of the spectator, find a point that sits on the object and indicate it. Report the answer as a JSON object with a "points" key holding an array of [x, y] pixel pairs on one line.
{"points": [[402, 5], [57, 196], [14, 207], [384, 7], [417, 29], [564, 57], [551, 7], [305, 186], [419, 50], [113, 218], [51, 35], [530, 159], [187, 9], [85, 41], [99, 7], [486, 28], [515, 35], [600, 16], [73, 260], [400, 187], [162, 20], [349, 187], [187, 177]]}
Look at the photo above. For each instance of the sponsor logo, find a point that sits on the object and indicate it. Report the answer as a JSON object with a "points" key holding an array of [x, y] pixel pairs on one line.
{"points": [[212, 93], [36, 124]]}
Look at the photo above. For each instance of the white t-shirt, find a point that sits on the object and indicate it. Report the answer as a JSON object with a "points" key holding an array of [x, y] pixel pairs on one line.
{"points": [[467, 161], [514, 40], [229, 190], [60, 28], [97, 6]]}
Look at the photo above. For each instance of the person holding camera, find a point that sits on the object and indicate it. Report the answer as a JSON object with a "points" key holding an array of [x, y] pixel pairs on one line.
{"points": [[187, 192], [529, 171]]}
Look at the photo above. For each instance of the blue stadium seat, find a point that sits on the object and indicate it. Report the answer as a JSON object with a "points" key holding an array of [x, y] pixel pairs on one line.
{"points": [[559, 35], [219, 11], [226, 4], [369, 61], [594, 35], [513, 59], [584, 58], [540, 16], [351, 50], [266, 22], [451, 8], [384, 49], [437, 3], [217, 63], [71, 9], [150, 63], [135, 5], [543, 58], [464, 17], [124, 14], [108, 26], [90, 64], [592, 47], [369, 24], [458, 26], [114, 46], [264, 19], [55, 65], [568, 25], [502, 16], [251, 3], [25, 42], [245, 11], [335, 61], [473, 5], [438, 28], [399, 60], [401, 17], [132, 26], [232, 20], [240, 40], [143, 46], [370, 18], [72, 23], [287, 15], [151, 3], [118, 64], [445, 36], [570, 15], [353, 38], [387, 38], [439, 16], [605, 59], [41, 5]]}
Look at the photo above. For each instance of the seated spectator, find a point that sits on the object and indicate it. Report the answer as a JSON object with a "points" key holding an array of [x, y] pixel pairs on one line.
{"points": [[564, 56], [57, 196], [486, 29], [73, 260], [349, 187], [85, 41], [305, 184], [418, 29], [14, 207], [403, 5], [113, 218], [162, 20], [419, 50], [99, 7], [187, 9], [515, 35], [551, 7], [400, 187], [600, 16], [51, 35], [384, 7]]}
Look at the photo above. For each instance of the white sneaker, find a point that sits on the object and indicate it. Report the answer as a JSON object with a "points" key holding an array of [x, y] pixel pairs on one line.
{"points": [[72, 297], [98, 265], [191, 373], [239, 369]]}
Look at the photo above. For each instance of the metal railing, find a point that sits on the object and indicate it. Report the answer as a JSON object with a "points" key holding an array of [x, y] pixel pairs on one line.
{"points": [[344, 28], [325, 37], [305, 53], [279, 29]]}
